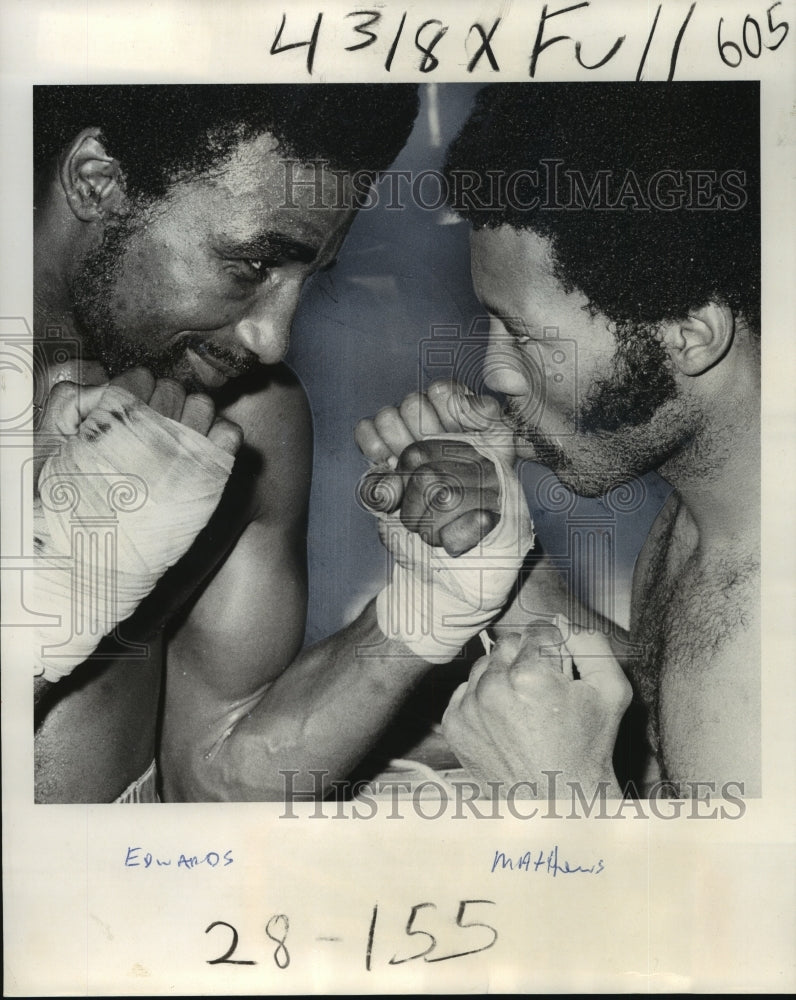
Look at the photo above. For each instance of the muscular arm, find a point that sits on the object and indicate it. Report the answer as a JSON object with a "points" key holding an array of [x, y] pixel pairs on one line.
{"points": [[323, 712], [242, 703]]}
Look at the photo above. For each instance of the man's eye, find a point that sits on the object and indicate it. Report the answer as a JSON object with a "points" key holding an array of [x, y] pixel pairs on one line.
{"points": [[256, 269], [519, 336], [516, 332]]}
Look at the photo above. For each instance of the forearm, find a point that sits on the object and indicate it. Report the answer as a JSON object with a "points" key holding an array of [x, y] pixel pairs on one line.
{"points": [[323, 714]]}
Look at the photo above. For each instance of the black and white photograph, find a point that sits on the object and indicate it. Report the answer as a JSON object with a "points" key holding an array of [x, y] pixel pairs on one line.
{"points": [[395, 486], [615, 269]]}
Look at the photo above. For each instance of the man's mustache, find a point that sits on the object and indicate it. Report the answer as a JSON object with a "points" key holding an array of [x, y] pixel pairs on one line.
{"points": [[237, 362]]}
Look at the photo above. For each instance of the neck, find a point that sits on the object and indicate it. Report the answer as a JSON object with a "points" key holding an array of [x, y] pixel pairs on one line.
{"points": [[717, 475]]}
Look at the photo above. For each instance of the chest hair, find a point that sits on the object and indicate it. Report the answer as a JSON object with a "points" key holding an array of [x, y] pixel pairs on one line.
{"points": [[688, 607]]}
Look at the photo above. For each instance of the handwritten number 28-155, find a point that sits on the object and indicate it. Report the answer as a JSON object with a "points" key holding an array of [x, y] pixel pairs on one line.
{"points": [[424, 944]]}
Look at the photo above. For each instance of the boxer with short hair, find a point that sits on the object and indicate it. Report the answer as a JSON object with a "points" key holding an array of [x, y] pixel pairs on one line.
{"points": [[662, 302], [175, 228], [168, 267]]}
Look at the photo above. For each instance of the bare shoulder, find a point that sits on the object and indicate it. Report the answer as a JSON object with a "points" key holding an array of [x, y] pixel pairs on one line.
{"points": [[273, 411], [271, 398]]}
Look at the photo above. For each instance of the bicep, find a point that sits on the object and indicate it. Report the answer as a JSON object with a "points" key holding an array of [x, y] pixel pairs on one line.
{"points": [[248, 623]]}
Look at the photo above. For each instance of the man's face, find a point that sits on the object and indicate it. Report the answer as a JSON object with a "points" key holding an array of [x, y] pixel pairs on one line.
{"points": [[204, 285], [594, 409]]}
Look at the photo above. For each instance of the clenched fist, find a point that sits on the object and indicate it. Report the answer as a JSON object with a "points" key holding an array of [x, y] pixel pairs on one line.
{"points": [[446, 490], [539, 703], [134, 472], [69, 404], [451, 512]]}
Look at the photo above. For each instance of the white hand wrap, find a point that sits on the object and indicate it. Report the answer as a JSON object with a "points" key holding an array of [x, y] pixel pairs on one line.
{"points": [[121, 503], [435, 603]]}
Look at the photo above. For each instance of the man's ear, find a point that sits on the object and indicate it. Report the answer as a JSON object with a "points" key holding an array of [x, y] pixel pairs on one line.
{"points": [[701, 340], [91, 180]]}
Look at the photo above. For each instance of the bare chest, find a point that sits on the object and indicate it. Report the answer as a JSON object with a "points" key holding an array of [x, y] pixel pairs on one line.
{"points": [[689, 608], [665, 633]]}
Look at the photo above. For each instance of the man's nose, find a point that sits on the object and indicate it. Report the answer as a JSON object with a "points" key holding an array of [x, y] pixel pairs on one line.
{"points": [[507, 368], [265, 328]]}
